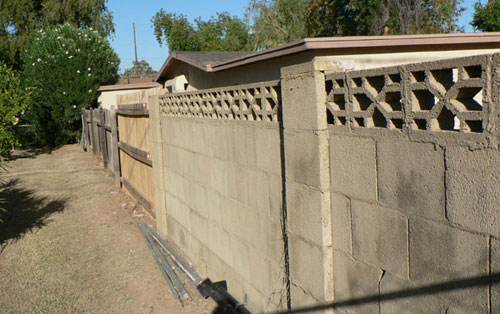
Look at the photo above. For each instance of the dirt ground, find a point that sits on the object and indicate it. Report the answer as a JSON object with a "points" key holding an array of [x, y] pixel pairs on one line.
{"points": [[70, 243]]}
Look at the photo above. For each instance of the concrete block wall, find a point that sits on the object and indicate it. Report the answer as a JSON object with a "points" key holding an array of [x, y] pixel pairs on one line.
{"points": [[384, 181], [223, 194], [415, 204]]}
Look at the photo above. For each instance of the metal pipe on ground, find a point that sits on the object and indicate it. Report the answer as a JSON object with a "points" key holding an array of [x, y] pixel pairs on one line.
{"points": [[195, 277], [155, 254]]}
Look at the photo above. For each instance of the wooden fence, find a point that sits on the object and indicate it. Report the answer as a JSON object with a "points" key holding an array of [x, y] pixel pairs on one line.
{"points": [[121, 139]]}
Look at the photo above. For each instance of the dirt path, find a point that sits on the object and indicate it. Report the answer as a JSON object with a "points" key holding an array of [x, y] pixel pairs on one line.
{"points": [[71, 246]]}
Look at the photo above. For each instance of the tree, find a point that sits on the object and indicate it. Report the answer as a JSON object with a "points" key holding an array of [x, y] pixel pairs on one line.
{"points": [[14, 100], [368, 17], [20, 19], [487, 17], [139, 69], [277, 22], [220, 33], [65, 65]]}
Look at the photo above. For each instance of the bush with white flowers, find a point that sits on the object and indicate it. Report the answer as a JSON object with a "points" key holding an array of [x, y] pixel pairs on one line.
{"points": [[14, 100], [65, 65]]}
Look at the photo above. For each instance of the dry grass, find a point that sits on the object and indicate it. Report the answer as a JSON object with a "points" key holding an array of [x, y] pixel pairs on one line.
{"points": [[69, 246]]}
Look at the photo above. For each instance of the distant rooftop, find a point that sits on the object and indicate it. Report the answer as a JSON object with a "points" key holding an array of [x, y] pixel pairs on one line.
{"points": [[212, 57], [219, 61]]}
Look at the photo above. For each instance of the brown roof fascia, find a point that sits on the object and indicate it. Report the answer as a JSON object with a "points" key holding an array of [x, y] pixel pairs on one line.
{"points": [[109, 88], [343, 43]]}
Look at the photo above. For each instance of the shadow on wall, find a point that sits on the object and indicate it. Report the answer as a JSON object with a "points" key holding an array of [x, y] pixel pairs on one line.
{"points": [[446, 286], [24, 211]]}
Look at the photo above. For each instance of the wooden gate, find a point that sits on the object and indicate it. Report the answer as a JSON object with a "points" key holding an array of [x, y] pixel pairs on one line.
{"points": [[121, 138]]}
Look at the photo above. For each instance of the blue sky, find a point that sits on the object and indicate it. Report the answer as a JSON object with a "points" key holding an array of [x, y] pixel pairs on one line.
{"points": [[126, 12]]}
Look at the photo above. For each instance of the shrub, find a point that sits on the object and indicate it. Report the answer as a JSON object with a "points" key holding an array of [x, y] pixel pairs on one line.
{"points": [[65, 65], [14, 99]]}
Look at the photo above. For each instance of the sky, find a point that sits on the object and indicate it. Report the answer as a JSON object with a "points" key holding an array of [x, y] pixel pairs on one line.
{"points": [[126, 12]]}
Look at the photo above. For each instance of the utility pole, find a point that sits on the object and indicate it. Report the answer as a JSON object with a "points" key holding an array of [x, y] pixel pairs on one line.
{"points": [[135, 47]]}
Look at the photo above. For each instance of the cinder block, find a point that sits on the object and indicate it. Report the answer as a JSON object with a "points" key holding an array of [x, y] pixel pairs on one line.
{"points": [[258, 191], [380, 237], [443, 254], [255, 298], [305, 206], [220, 244], [241, 258], [218, 172], [355, 282], [307, 158], [302, 299], [473, 183], [174, 183], [306, 265], [178, 210], [171, 158], [232, 213], [411, 177], [271, 244], [199, 227], [214, 208], [400, 296], [224, 142], [210, 136], [275, 197], [199, 169], [199, 199], [237, 182], [341, 223], [304, 98], [268, 150], [196, 139], [260, 272], [244, 151], [353, 167]]}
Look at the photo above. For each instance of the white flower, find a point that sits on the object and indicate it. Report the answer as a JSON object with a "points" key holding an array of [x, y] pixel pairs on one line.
{"points": [[33, 64], [67, 52], [89, 69], [63, 45], [70, 57], [78, 71], [74, 106], [38, 60], [58, 37], [22, 112], [90, 74], [64, 93], [90, 28], [90, 91]]}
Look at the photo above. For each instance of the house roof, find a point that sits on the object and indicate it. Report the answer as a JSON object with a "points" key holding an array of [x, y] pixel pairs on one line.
{"points": [[219, 61], [109, 88]]}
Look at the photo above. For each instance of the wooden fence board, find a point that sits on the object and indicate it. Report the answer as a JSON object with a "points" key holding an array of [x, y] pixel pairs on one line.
{"points": [[136, 153], [121, 139]]}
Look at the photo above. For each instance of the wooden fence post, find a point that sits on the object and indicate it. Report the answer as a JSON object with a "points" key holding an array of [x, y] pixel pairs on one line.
{"points": [[102, 138], [116, 151], [92, 133], [84, 129]]}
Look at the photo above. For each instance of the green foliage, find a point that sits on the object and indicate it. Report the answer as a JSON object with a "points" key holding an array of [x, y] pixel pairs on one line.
{"points": [[277, 22], [220, 33], [14, 99], [20, 19], [487, 17], [65, 66], [140, 69]]}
